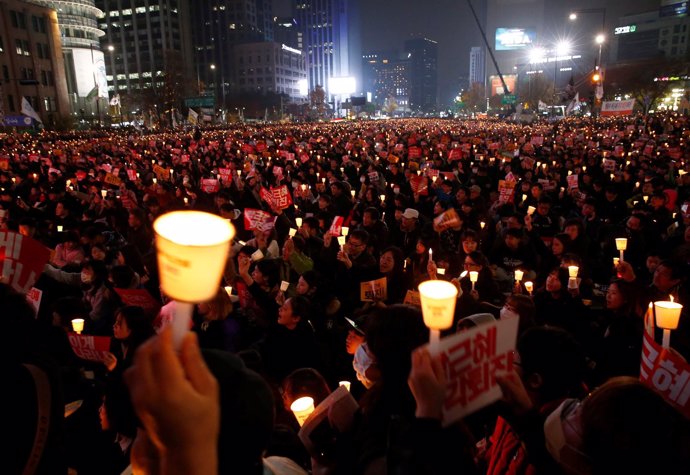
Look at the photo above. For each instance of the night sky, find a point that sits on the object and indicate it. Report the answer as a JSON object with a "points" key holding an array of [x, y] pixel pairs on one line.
{"points": [[386, 24]]}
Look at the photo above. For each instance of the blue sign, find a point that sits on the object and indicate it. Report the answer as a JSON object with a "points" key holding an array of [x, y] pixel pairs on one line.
{"points": [[17, 121], [508, 39]]}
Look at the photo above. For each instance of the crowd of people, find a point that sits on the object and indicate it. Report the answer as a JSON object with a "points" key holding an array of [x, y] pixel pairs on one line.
{"points": [[320, 209]]}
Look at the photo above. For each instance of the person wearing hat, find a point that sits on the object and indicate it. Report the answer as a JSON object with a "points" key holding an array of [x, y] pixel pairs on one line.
{"points": [[406, 236]]}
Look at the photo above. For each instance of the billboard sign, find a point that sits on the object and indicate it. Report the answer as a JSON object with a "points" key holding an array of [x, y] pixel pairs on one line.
{"points": [[18, 121], [509, 39], [342, 85], [497, 86]]}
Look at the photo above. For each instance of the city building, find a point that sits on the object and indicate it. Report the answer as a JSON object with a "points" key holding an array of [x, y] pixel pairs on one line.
{"points": [[144, 40], [371, 61], [285, 32], [650, 35], [477, 65], [83, 57], [271, 67], [31, 62], [423, 56], [331, 40], [218, 26], [393, 83]]}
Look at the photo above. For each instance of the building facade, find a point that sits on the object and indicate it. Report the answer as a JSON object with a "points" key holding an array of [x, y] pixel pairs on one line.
{"points": [[393, 83], [423, 56], [477, 65], [143, 41], [649, 35], [271, 67], [31, 62], [285, 31], [329, 39]]}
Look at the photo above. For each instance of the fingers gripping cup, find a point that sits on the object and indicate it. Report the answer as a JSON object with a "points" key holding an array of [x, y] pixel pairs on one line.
{"points": [[192, 248]]}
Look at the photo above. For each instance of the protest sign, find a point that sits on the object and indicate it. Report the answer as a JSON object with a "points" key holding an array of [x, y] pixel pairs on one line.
{"points": [[471, 360], [21, 260], [139, 298], [572, 182], [419, 185], [89, 347], [414, 152], [412, 298], [210, 185], [34, 296], [445, 220], [277, 198], [336, 226], [373, 290], [161, 173], [505, 191], [111, 179], [664, 371]]}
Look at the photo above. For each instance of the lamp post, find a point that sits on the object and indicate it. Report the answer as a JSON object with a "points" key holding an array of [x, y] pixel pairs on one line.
{"points": [[562, 49]]}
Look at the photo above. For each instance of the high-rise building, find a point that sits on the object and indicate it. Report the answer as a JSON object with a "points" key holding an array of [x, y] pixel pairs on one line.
{"points": [[330, 39], [217, 27], [423, 55], [371, 61], [144, 41], [31, 62], [285, 32], [83, 57], [271, 67], [393, 83], [477, 65], [649, 35]]}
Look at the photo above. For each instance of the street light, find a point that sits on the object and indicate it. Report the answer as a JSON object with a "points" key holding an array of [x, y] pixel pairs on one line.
{"points": [[573, 16], [563, 48], [537, 55]]}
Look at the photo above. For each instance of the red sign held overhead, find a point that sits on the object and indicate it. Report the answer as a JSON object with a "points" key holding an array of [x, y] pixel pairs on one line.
{"points": [[21, 260]]}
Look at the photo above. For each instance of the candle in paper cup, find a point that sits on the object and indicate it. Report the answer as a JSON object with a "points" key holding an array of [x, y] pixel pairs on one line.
{"points": [[441, 271], [482, 224], [192, 248], [344, 230], [667, 314], [438, 299], [531, 210], [621, 245], [346, 384], [572, 271], [616, 261], [383, 197], [104, 193], [186, 200], [298, 221], [257, 255], [59, 228], [155, 181], [524, 197], [474, 276], [302, 409], [78, 325], [284, 286], [529, 287], [292, 232], [353, 193], [341, 241], [431, 255], [518, 275], [228, 290]]}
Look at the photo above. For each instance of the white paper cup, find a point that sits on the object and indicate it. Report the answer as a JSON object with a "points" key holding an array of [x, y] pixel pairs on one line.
{"points": [[192, 248]]}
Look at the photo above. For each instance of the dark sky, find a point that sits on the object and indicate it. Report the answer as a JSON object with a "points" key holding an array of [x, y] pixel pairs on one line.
{"points": [[386, 24]]}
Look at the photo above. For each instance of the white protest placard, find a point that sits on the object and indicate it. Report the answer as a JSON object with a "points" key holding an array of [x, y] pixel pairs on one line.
{"points": [[471, 360]]}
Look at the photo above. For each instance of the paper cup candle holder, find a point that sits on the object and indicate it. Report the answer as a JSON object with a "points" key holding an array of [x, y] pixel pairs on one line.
{"points": [[192, 248], [438, 298]]}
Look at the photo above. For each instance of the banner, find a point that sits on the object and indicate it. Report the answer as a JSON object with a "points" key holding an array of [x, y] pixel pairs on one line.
{"points": [[277, 198], [255, 218], [445, 220], [664, 371], [613, 108], [373, 290], [210, 185], [88, 347], [192, 117], [111, 179], [21, 260], [412, 298], [336, 226], [471, 360], [505, 191], [139, 298]]}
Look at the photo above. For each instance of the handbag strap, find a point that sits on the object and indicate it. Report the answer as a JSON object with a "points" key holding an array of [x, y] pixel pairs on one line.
{"points": [[43, 397]]}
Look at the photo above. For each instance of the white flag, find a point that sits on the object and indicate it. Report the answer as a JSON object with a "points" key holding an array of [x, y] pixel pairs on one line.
{"points": [[542, 105], [192, 117], [599, 93], [29, 111], [573, 104], [115, 101]]}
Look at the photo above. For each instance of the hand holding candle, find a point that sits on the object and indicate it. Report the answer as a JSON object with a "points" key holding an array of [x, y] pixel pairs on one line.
{"points": [[474, 276], [438, 298], [78, 325], [302, 409], [529, 287], [621, 245], [667, 316], [518, 275]]}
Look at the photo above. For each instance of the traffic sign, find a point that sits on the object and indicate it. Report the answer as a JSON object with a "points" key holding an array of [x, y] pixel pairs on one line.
{"points": [[201, 101], [508, 99]]}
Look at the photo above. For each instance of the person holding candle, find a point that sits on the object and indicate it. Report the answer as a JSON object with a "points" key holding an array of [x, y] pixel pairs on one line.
{"points": [[509, 254], [486, 290], [257, 286], [215, 324], [391, 265], [376, 228]]}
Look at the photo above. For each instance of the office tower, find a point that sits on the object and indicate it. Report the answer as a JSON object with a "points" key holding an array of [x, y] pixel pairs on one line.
{"points": [[477, 65], [423, 55]]}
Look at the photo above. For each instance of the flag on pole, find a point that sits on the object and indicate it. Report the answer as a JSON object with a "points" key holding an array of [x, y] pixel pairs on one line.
{"points": [[599, 93], [574, 103], [192, 117], [115, 101], [29, 111], [542, 106], [174, 118]]}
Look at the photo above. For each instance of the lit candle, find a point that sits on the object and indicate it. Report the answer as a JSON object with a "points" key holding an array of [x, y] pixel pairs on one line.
{"points": [[531, 210], [529, 287], [441, 271], [341, 241], [524, 197], [383, 197], [155, 181], [518, 275], [438, 299], [292, 232], [482, 224], [352, 192], [192, 248], [474, 275], [572, 273], [228, 290], [302, 409], [78, 325], [621, 245], [667, 315], [344, 230], [616, 261], [284, 285], [298, 221], [104, 193], [346, 384], [186, 200], [59, 228], [431, 255]]}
